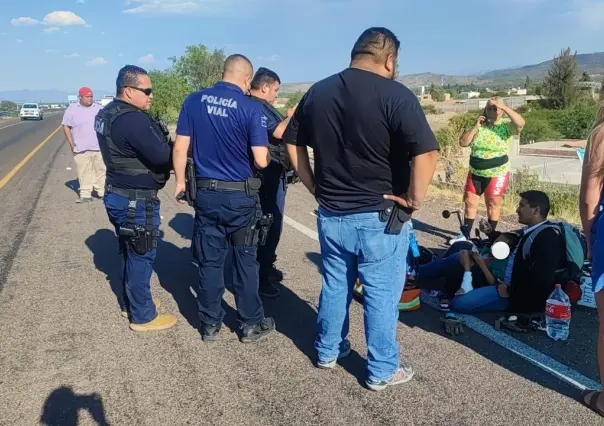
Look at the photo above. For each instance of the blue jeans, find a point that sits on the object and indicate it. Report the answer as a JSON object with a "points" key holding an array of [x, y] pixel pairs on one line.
{"points": [[218, 215], [483, 299], [439, 268], [138, 268], [272, 198], [355, 246]]}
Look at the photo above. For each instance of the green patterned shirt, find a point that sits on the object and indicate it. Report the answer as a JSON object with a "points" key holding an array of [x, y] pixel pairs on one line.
{"points": [[492, 142]]}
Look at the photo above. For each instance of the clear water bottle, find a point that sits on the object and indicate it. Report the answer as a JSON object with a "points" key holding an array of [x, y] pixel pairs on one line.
{"points": [[557, 314]]}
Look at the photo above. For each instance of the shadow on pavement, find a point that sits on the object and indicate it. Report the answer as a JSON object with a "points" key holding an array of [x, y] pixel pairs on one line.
{"points": [[74, 185], [445, 234], [428, 319], [62, 407]]}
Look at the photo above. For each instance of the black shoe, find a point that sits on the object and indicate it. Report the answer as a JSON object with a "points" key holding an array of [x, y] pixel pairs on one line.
{"points": [[258, 332], [268, 290], [275, 274], [210, 333]]}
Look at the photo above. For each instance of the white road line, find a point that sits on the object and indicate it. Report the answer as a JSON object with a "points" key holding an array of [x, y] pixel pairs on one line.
{"points": [[546, 363], [11, 125]]}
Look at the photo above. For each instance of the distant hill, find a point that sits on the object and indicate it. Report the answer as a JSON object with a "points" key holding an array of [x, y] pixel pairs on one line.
{"points": [[50, 95], [593, 63]]}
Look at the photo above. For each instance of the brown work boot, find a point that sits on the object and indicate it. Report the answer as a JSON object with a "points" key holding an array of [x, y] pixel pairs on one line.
{"points": [[161, 322], [155, 300]]}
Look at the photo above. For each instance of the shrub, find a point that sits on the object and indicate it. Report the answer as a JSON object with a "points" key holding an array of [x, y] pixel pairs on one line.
{"points": [[431, 109], [538, 129], [576, 122]]}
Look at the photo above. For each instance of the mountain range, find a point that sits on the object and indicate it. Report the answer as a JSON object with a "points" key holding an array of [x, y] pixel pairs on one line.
{"points": [[592, 63]]}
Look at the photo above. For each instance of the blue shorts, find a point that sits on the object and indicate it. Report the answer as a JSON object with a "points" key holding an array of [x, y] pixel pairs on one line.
{"points": [[597, 253]]}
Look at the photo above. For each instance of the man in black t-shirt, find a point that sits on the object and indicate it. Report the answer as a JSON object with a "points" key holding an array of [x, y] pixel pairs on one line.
{"points": [[373, 149]]}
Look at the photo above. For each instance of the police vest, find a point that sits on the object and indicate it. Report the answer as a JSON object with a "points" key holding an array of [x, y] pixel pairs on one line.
{"points": [[276, 146], [118, 161]]}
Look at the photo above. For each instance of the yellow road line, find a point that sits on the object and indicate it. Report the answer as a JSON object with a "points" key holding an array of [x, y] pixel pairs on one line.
{"points": [[15, 169]]}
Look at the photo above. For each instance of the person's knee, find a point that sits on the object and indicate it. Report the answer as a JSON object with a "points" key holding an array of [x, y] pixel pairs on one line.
{"points": [[471, 200]]}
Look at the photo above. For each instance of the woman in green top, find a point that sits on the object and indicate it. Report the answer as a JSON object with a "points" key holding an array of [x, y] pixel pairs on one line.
{"points": [[489, 173]]}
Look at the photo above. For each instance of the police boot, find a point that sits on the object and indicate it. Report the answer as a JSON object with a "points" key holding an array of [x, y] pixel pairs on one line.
{"points": [[209, 333], [257, 332], [161, 322]]}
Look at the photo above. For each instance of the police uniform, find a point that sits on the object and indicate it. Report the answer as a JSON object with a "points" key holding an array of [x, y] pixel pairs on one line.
{"points": [[272, 193], [136, 150], [223, 124]]}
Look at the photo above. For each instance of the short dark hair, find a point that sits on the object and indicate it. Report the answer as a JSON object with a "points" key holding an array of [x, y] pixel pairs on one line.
{"points": [[537, 199], [231, 61], [264, 76], [128, 76], [512, 237], [376, 43]]}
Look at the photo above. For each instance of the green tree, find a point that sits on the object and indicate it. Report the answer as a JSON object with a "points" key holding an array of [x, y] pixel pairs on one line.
{"points": [[169, 92], [585, 76], [293, 99], [559, 85], [199, 66], [437, 93], [528, 82], [8, 106]]}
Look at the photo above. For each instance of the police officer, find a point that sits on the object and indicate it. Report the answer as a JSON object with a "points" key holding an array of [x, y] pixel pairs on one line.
{"points": [[227, 131], [264, 89], [136, 150]]}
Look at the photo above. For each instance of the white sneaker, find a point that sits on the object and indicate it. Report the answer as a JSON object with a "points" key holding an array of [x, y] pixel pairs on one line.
{"points": [[458, 238]]}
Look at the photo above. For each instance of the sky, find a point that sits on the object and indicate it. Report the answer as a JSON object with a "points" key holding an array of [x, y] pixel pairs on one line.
{"points": [[65, 44]]}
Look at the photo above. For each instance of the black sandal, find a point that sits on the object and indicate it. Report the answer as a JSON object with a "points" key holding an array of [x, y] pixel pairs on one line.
{"points": [[589, 398]]}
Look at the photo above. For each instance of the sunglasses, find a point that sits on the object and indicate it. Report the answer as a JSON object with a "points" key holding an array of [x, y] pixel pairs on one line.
{"points": [[146, 91]]}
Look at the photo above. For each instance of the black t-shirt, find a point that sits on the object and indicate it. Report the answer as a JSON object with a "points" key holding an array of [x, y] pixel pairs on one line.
{"points": [[364, 130]]}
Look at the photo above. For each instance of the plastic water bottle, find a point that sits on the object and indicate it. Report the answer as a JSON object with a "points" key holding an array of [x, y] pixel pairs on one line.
{"points": [[413, 243], [557, 314]]}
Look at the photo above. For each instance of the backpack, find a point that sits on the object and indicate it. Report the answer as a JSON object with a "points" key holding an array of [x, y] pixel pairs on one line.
{"points": [[575, 244]]}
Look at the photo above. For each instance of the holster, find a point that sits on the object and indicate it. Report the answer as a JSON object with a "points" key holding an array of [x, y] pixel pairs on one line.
{"points": [[139, 238], [395, 217], [252, 186], [190, 182]]}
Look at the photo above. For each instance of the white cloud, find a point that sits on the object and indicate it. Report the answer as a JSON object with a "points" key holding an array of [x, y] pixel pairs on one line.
{"points": [[162, 7], [146, 59], [99, 60], [81, 1], [61, 18], [271, 58], [73, 55], [50, 29], [19, 40], [24, 21], [589, 13]]}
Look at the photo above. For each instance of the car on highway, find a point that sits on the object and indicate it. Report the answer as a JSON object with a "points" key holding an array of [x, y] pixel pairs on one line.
{"points": [[31, 111]]}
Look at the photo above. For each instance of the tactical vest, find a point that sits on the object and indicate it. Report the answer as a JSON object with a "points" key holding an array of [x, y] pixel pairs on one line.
{"points": [[276, 146], [119, 161]]}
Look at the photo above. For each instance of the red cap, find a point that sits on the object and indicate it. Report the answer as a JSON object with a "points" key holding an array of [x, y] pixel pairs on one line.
{"points": [[85, 91]]}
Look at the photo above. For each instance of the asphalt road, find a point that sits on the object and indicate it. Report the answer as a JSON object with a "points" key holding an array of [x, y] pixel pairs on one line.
{"points": [[66, 354]]}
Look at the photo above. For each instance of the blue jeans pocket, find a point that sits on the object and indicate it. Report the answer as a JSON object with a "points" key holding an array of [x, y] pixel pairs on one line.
{"points": [[375, 244]]}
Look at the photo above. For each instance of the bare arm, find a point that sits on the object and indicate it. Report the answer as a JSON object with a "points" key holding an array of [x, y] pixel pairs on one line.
{"points": [[466, 139], [483, 267], [69, 136], [591, 182], [262, 156], [517, 123], [179, 158], [298, 155], [278, 133]]}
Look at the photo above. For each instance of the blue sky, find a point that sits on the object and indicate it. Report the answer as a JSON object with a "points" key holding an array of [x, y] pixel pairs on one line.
{"points": [[63, 44]]}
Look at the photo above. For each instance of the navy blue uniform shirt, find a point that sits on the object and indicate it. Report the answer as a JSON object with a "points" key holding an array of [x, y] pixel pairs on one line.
{"points": [[223, 125], [133, 133]]}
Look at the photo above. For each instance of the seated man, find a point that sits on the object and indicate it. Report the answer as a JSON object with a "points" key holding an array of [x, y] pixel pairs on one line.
{"points": [[527, 282]]}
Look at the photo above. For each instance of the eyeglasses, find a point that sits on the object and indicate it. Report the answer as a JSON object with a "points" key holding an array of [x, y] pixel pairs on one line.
{"points": [[146, 91]]}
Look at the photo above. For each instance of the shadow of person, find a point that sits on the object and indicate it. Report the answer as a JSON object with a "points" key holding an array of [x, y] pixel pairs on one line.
{"points": [[104, 247], [420, 226], [74, 185], [62, 407]]}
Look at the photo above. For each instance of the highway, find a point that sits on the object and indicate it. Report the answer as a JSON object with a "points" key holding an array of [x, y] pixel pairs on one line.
{"points": [[68, 357]]}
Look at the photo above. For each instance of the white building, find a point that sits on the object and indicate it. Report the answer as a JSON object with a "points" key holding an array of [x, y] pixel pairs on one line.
{"points": [[469, 95]]}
